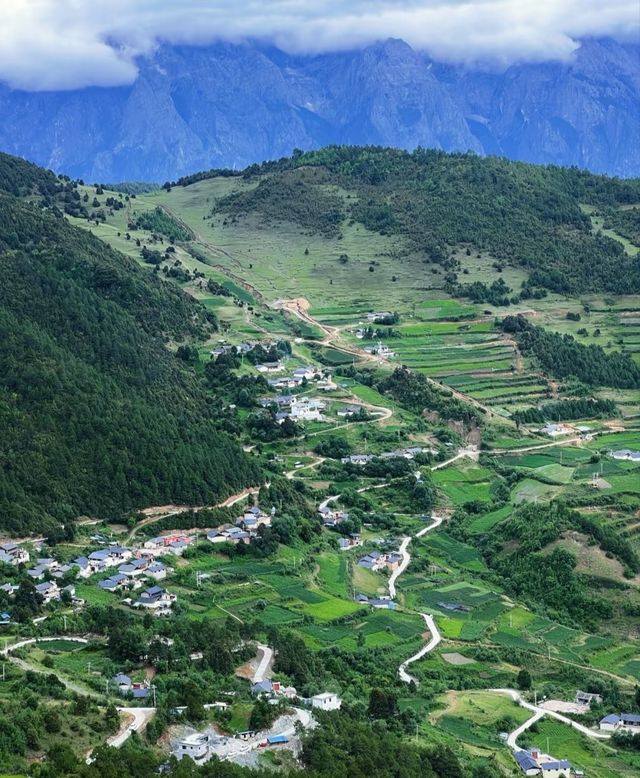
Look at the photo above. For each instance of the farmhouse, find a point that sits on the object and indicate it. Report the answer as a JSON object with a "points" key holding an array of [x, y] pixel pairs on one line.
{"points": [[115, 583], [12, 554], [157, 571], [133, 568], [326, 701], [304, 373], [357, 459], [554, 430], [194, 746], [347, 411], [374, 560], [5, 618], [269, 367], [586, 698], [379, 349], [85, 568], [156, 599], [344, 544], [534, 763], [627, 722], [49, 591], [375, 316], [626, 454]]}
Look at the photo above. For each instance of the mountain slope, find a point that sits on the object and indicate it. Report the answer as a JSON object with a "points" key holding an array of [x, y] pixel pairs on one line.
{"points": [[224, 105], [436, 204], [98, 417]]}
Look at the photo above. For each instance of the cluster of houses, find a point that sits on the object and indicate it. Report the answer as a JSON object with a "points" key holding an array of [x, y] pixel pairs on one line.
{"points": [[331, 517], [621, 722], [533, 762], [376, 561], [244, 529], [274, 690], [410, 452]]}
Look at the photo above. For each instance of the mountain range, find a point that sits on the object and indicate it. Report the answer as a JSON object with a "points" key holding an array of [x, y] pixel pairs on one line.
{"points": [[232, 104]]}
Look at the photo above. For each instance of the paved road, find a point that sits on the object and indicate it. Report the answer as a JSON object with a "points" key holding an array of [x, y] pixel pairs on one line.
{"points": [[264, 664], [137, 720], [539, 713], [470, 452], [436, 637]]}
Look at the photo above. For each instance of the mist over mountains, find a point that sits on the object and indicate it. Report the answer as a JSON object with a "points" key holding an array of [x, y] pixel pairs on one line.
{"points": [[229, 105]]}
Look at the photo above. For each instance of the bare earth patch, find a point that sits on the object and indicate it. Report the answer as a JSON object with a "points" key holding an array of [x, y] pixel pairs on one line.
{"points": [[457, 659]]}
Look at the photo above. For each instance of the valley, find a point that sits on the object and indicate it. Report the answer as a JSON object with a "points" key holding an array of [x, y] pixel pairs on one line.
{"points": [[428, 513]]}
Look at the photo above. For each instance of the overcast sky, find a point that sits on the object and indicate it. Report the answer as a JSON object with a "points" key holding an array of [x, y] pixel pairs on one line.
{"points": [[66, 44]]}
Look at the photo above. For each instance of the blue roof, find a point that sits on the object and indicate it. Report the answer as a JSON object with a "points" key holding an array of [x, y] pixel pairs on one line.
{"points": [[561, 764], [122, 679], [273, 739], [140, 693], [525, 760], [612, 718], [630, 718]]}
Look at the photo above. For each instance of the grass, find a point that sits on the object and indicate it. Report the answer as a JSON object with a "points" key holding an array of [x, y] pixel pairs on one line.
{"points": [[595, 759]]}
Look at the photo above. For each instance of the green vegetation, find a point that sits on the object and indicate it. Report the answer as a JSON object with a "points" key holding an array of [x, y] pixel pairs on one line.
{"points": [[562, 356], [521, 214], [99, 417], [159, 221]]}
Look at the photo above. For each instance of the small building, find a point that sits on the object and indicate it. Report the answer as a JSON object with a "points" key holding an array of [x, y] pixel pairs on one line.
{"points": [[277, 740], [194, 746], [262, 687], [269, 367], [347, 411], [5, 618], [13, 554], [376, 316], [157, 571], [609, 723], [49, 591], [626, 454], [115, 583], [586, 698], [326, 701], [555, 430], [526, 763], [134, 567], [156, 599], [304, 373], [559, 768]]}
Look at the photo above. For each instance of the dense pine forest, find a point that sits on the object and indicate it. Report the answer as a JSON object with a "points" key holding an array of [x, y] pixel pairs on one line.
{"points": [[523, 215], [99, 417]]}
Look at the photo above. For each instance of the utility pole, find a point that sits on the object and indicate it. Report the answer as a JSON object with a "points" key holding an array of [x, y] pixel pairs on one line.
{"points": [[3, 675], [64, 618], [107, 687], [153, 687], [89, 668]]}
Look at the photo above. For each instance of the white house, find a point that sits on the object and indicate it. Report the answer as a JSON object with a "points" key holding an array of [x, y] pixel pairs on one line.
{"points": [[629, 722], [157, 571], [156, 599], [326, 701], [269, 367], [559, 768], [626, 454], [555, 430], [194, 746]]}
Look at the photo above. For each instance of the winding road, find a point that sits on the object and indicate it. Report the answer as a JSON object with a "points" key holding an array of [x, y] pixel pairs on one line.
{"points": [[538, 713], [436, 637]]}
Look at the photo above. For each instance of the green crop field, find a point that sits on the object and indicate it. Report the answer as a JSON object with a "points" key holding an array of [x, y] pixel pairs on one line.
{"points": [[595, 759]]}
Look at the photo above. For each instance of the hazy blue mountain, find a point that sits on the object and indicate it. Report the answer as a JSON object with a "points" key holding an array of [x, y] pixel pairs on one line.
{"points": [[224, 105]]}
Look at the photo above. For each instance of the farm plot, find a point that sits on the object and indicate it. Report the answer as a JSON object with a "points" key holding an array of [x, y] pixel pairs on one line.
{"points": [[443, 546], [464, 485], [594, 759]]}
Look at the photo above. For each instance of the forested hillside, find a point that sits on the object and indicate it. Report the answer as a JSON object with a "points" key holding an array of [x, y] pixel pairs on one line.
{"points": [[516, 214], [98, 416]]}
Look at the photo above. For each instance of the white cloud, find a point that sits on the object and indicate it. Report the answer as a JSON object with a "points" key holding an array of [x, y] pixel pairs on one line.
{"points": [[66, 44]]}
